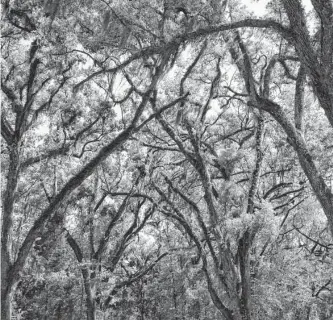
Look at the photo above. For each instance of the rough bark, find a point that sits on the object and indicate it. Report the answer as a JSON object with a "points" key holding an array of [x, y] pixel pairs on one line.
{"points": [[89, 273], [299, 98], [308, 59], [12, 273], [222, 257], [239, 54], [90, 302], [194, 36], [244, 244], [319, 66], [319, 186]]}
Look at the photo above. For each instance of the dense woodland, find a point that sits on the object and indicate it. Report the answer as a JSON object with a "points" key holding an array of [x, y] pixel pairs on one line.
{"points": [[167, 159]]}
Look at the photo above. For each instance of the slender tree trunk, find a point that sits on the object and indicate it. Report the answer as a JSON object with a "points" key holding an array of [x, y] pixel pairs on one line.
{"points": [[245, 242], [142, 301], [90, 303], [5, 305], [8, 287], [5, 301], [244, 266], [7, 278]]}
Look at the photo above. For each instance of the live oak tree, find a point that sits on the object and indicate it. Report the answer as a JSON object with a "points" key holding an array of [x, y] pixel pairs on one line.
{"points": [[80, 79], [314, 56], [123, 222], [40, 82], [205, 208]]}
